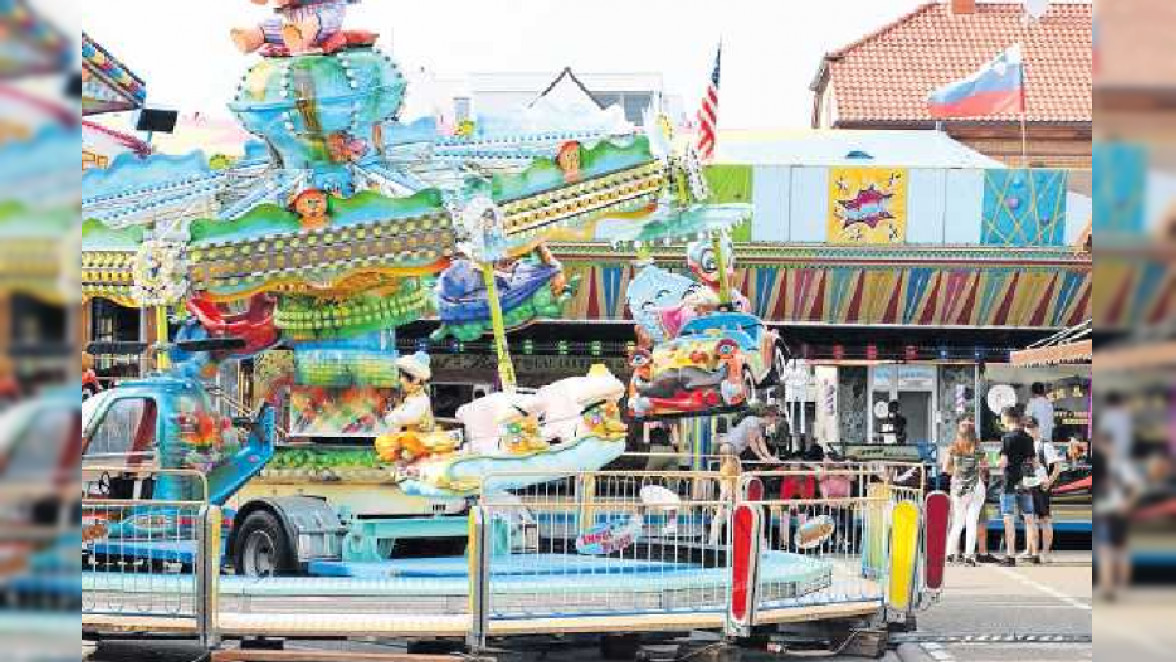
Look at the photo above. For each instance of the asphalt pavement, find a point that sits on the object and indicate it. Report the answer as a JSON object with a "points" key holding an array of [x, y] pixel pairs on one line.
{"points": [[990, 613]]}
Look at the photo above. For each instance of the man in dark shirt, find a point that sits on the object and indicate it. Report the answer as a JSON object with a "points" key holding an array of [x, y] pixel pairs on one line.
{"points": [[1016, 461]]}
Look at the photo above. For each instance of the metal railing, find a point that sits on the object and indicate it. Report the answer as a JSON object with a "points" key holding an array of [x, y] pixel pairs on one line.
{"points": [[727, 550], [156, 561], [829, 525], [608, 543], [644, 543]]}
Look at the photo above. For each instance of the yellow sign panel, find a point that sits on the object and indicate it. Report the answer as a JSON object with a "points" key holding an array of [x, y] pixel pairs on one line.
{"points": [[867, 205]]}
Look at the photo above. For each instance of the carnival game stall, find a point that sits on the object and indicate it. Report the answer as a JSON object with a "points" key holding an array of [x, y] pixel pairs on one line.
{"points": [[1062, 365]]}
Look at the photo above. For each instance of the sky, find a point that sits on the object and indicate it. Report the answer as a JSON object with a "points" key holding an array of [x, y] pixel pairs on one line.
{"points": [[771, 48]]}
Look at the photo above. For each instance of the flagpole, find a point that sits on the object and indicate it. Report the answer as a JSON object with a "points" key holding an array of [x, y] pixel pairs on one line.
{"points": [[1024, 141], [1024, 128]]}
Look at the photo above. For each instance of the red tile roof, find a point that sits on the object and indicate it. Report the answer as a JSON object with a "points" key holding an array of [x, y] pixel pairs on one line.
{"points": [[1135, 44], [886, 76]]}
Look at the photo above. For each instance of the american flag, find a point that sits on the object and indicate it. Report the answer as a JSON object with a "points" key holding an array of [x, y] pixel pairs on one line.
{"points": [[708, 115]]}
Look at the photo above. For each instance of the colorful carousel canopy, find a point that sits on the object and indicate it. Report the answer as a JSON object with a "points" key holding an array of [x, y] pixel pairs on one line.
{"points": [[343, 200], [107, 84], [31, 45]]}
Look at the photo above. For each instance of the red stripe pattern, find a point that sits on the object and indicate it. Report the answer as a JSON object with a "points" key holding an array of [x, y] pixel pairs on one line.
{"points": [[708, 115]]}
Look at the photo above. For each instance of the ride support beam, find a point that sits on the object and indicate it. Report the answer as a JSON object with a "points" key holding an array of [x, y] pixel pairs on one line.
{"points": [[506, 372], [721, 264]]}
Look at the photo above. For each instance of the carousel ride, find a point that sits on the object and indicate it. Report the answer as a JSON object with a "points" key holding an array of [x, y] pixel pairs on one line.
{"points": [[341, 224]]}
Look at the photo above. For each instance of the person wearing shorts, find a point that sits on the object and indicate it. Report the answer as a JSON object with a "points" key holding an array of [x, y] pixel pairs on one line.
{"points": [[1049, 468], [1016, 461], [1117, 489]]}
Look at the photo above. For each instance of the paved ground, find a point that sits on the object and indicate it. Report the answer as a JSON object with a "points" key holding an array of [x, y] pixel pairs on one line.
{"points": [[1025, 613], [981, 608], [1140, 627]]}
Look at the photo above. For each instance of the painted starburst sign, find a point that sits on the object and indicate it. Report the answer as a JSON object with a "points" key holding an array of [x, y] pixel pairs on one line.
{"points": [[867, 205]]}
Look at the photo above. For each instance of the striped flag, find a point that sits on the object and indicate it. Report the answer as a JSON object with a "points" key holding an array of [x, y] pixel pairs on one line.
{"points": [[997, 87], [708, 115]]}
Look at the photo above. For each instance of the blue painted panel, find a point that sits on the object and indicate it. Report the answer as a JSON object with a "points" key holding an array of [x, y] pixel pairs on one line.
{"points": [[1024, 207], [1120, 175]]}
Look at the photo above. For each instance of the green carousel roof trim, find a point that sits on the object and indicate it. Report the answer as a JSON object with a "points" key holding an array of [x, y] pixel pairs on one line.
{"points": [[265, 219], [98, 237], [20, 224], [269, 221], [546, 174]]}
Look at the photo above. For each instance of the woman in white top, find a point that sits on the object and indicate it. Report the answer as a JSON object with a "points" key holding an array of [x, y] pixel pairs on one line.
{"points": [[966, 463]]}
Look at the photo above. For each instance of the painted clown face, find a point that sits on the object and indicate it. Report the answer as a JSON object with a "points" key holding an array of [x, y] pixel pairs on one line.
{"points": [[700, 255]]}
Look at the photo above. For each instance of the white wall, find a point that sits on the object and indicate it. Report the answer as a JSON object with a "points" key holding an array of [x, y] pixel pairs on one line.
{"points": [[943, 205]]}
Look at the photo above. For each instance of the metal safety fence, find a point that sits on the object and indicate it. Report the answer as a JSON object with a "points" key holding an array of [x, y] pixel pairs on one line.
{"points": [[609, 543], [830, 524], [647, 543], [149, 560], [724, 550]]}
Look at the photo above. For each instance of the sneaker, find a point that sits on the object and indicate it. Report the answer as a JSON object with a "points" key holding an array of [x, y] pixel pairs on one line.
{"points": [[985, 558], [1038, 560], [1008, 562], [971, 562], [953, 559]]}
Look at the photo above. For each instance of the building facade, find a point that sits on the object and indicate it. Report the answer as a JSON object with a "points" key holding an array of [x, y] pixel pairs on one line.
{"points": [[882, 80]]}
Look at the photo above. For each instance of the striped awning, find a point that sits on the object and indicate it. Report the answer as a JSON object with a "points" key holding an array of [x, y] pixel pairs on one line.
{"points": [[1081, 351]]}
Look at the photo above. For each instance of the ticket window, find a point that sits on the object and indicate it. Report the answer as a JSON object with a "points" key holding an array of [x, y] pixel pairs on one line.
{"points": [[913, 388]]}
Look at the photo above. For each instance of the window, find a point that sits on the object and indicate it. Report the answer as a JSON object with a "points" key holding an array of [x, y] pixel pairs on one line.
{"points": [[127, 427], [41, 446], [635, 105]]}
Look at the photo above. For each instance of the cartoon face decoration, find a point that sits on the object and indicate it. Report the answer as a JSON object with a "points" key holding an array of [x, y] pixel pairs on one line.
{"points": [[311, 207], [726, 349], [655, 289], [700, 255], [642, 363], [568, 160]]}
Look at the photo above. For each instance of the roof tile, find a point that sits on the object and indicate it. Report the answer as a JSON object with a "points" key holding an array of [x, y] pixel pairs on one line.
{"points": [[888, 74]]}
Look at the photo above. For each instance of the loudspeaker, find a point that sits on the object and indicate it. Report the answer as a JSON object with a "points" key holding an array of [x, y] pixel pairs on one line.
{"points": [[73, 86], [151, 119]]}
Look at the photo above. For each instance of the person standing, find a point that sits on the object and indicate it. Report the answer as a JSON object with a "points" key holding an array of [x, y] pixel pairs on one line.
{"points": [[986, 509], [1116, 490], [1114, 420], [1042, 409], [965, 463], [1050, 466], [1016, 462]]}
